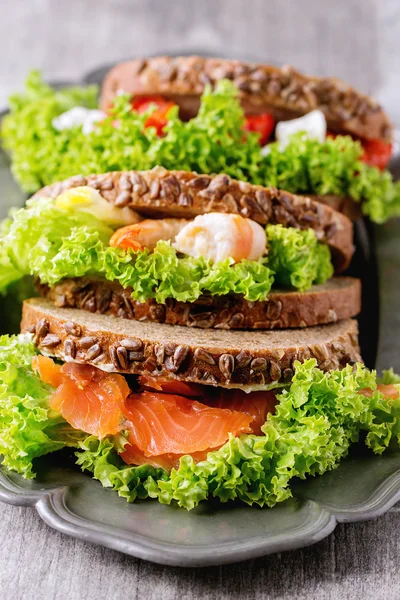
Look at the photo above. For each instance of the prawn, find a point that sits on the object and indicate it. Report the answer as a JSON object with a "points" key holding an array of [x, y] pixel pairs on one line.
{"points": [[147, 233], [218, 236]]}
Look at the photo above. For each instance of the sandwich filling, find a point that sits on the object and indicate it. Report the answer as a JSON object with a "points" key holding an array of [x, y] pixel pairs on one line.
{"points": [[48, 143], [179, 442], [376, 153], [80, 234]]}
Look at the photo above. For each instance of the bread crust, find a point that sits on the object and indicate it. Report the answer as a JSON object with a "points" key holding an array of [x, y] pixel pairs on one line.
{"points": [[237, 358], [185, 194], [345, 205], [284, 92], [338, 299]]}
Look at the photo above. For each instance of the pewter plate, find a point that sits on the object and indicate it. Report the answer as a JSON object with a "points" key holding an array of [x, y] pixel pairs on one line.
{"points": [[363, 487]]}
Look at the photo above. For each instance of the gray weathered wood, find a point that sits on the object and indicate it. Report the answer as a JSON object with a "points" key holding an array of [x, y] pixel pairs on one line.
{"points": [[357, 561], [353, 39]]}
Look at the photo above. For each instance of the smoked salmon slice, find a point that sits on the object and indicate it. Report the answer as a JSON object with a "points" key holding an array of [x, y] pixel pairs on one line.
{"points": [[87, 398], [256, 404], [162, 426], [168, 424], [165, 450], [48, 370], [192, 390]]}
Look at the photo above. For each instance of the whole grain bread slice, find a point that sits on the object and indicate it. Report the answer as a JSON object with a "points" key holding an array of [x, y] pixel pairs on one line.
{"points": [[337, 299], [281, 91], [160, 193], [217, 357]]}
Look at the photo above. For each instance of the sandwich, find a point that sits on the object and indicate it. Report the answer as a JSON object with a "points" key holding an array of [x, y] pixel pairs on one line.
{"points": [[192, 338], [260, 124]]}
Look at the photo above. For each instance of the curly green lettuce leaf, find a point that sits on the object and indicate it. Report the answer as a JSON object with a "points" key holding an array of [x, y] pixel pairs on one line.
{"points": [[53, 244], [29, 428], [388, 377], [48, 242], [316, 420], [212, 142], [8, 273], [28, 134], [100, 458], [17, 288], [296, 257], [162, 274]]}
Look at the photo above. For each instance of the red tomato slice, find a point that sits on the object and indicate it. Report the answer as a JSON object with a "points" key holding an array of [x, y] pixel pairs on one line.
{"points": [[377, 153], [158, 117], [263, 124]]}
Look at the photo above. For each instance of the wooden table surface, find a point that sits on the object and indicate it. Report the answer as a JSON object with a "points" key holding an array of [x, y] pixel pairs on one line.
{"points": [[357, 561], [355, 39]]}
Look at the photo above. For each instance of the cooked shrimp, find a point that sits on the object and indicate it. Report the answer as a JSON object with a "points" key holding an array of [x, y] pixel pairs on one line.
{"points": [[147, 233], [218, 236]]}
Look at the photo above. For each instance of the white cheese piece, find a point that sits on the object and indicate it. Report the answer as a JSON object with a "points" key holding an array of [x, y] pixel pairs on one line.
{"points": [[79, 116], [265, 150], [312, 124]]}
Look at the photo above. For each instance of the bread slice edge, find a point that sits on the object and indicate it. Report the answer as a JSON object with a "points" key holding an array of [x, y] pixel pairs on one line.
{"points": [[228, 358]]}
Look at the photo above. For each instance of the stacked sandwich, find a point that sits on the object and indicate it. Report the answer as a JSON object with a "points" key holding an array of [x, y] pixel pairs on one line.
{"points": [[193, 335]]}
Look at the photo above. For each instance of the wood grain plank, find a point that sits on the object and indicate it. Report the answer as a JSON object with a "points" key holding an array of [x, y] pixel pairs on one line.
{"points": [[358, 561]]}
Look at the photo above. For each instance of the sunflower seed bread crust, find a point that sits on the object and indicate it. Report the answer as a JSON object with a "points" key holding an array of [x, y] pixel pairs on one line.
{"points": [[338, 299], [284, 92], [216, 358], [183, 194]]}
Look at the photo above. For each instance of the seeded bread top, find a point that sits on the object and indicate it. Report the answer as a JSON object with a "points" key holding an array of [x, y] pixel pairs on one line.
{"points": [[214, 357], [163, 193], [284, 92]]}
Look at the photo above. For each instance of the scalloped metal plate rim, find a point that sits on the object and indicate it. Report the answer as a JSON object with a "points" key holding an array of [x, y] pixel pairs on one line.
{"points": [[318, 520]]}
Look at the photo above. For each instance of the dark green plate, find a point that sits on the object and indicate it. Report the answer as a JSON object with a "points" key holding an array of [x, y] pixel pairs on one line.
{"points": [[363, 487]]}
